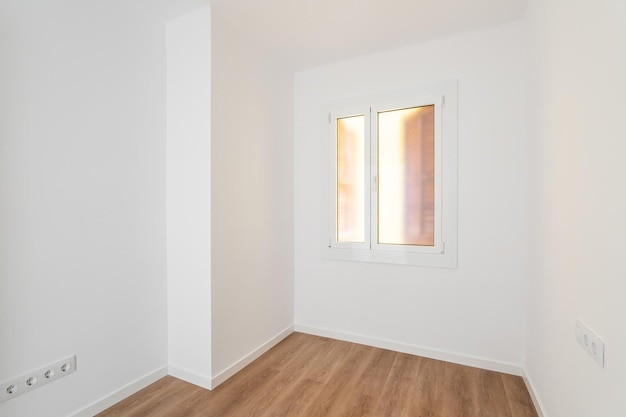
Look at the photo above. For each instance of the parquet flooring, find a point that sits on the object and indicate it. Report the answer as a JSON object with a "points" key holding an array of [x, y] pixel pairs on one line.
{"points": [[310, 376]]}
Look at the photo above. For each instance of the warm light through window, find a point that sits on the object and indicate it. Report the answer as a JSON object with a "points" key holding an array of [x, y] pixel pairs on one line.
{"points": [[351, 179], [406, 190]]}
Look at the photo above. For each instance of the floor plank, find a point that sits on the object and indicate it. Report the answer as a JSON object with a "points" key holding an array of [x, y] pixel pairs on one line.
{"points": [[311, 376]]}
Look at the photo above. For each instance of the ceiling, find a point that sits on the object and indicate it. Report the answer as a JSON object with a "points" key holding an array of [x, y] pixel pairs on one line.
{"points": [[307, 33]]}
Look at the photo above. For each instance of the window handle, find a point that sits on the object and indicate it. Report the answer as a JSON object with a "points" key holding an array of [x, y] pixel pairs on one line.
{"points": [[375, 183]]}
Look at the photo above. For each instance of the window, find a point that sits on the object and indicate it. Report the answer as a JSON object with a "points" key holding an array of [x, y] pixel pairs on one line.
{"points": [[392, 180]]}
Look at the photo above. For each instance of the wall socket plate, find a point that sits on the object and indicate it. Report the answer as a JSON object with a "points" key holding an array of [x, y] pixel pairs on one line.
{"points": [[13, 387], [591, 342]]}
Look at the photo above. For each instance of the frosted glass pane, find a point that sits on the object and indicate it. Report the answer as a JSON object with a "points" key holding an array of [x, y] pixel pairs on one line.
{"points": [[406, 189], [351, 179]]}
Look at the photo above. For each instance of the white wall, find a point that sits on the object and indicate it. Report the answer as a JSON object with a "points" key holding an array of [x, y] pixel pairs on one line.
{"points": [[252, 200], [578, 205], [473, 314], [189, 196], [82, 192], [83, 220]]}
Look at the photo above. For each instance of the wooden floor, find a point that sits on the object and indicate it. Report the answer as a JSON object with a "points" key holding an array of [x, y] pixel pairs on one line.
{"points": [[310, 376]]}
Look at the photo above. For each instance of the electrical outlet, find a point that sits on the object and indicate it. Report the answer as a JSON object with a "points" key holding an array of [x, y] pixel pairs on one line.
{"points": [[591, 342], [37, 378]]}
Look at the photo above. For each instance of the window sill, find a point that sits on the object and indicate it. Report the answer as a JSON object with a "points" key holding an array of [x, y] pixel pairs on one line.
{"points": [[447, 259]]}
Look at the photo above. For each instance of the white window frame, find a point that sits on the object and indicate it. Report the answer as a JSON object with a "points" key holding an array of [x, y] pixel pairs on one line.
{"points": [[444, 251], [338, 114]]}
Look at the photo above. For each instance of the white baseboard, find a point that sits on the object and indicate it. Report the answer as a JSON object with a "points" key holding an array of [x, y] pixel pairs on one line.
{"points": [[533, 395], [249, 358], [473, 361], [122, 393], [187, 375]]}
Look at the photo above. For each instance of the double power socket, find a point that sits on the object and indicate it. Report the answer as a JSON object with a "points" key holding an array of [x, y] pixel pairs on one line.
{"points": [[591, 342], [37, 378]]}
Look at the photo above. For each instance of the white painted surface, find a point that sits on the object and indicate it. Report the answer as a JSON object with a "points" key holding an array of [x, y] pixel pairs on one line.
{"points": [[250, 357], [188, 170], [533, 395], [308, 33], [191, 375], [477, 309], [252, 198], [577, 205], [82, 191], [120, 394], [459, 358]]}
